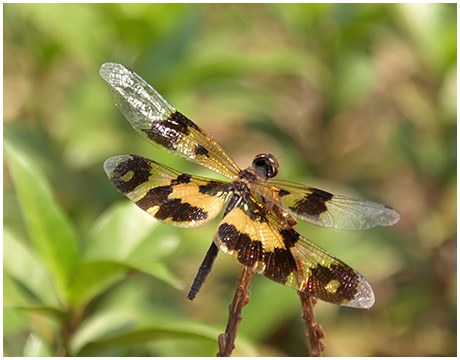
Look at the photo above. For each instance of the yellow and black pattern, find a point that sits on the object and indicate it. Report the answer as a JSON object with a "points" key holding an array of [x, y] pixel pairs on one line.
{"points": [[258, 228], [246, 234], [169, 196]]}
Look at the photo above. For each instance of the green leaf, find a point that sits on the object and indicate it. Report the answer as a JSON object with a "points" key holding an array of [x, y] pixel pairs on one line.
{"points": [[14, 321], [49, 312], [123, 239], [161, 272], [36, 347], [92, 278], [128, 331], [13, 294], [28, 271], [131, 316], [17, 300], [50, 232], [126, 327], [117, 232], [125, 231]]}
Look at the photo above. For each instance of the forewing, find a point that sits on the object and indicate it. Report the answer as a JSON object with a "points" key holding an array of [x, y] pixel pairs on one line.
{"points": [[253, 235], [169, 196], [325, 209], [160, 123]]}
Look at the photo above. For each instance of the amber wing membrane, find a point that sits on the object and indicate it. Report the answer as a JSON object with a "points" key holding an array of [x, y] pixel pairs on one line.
{"points": [[252, 234], [326, 209], [160, 123], [169, 196]]}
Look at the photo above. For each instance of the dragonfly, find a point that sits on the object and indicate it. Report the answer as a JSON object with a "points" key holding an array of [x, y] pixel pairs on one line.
{"points": [[258, 227]]}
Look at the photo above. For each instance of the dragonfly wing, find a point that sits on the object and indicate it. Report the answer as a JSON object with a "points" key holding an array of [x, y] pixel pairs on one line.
{"points": [[160, 123], [253, 235], [326, 209]]}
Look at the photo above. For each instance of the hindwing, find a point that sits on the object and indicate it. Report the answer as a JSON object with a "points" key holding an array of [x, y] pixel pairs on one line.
{"points": [[323, 208], [253, 235]]}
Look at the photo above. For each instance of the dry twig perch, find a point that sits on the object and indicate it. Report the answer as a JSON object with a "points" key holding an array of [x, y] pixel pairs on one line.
{"points": [[314, 331], [227, 340]]}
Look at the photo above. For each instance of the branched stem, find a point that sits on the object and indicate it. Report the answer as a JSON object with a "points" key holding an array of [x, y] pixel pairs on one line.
{"points": [[226, 341], [314, 331]]}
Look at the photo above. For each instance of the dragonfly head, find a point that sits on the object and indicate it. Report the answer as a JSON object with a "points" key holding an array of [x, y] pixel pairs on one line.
{"points": [[265, 165]]}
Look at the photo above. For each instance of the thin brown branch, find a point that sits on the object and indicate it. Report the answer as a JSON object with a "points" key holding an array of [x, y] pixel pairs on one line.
{"points": [[314, 331], [226, 341]]}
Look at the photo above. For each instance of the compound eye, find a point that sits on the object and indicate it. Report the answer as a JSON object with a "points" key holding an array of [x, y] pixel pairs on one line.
{"points": [[265, 165]]}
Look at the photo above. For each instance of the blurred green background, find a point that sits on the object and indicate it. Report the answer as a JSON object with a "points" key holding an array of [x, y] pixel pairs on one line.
{"points": [[355, 99]]}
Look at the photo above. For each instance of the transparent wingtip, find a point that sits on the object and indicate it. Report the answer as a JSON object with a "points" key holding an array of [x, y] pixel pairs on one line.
{"points": [[107, 70], [111, 163]]}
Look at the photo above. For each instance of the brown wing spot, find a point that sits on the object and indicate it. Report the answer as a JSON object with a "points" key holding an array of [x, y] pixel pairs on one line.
{"points": [[138, 170], [200, 150], [164, 134], [334, 283], [184, 122], [179, 211], [279, 265], [155, 197], [213, 188], [175, 209], [283, 192], [249, 251], [290, 237], [313, 204], [169, 132], [181, 179]]}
